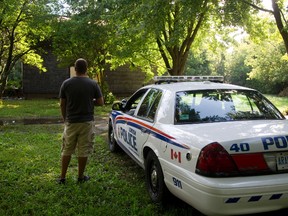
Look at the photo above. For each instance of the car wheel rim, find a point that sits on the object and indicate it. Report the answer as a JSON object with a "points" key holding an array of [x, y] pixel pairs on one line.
{"points": [[154, 178]]}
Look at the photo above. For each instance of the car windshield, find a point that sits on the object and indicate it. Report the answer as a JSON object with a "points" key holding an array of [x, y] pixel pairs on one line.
{"points": [[223, 105]]}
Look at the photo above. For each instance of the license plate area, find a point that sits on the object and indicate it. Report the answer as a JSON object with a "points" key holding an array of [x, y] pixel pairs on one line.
{"points": [[282, 161]]}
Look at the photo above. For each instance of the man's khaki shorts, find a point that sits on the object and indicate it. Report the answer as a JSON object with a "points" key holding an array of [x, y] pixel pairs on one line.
{"points": [[80, 137]]}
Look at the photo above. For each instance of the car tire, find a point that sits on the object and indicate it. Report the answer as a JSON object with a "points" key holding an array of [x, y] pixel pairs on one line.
{"points": [[113, 145], [155, 179]]}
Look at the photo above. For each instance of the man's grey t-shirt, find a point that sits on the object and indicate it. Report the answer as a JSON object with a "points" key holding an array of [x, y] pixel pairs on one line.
{"points": [[79, 93]]}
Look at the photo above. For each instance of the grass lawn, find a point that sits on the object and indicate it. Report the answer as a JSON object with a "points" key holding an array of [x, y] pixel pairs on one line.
{"points": [[37, 108], [30, 164], [29, 108], [280, 102]]}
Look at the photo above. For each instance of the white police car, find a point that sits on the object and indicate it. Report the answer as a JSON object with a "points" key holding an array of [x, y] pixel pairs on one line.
{"points": [[221, 148]]}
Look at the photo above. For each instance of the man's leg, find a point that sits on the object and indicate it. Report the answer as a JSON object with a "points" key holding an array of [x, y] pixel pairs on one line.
{"points": [[82, 161], [64, 165], [85, 147]]}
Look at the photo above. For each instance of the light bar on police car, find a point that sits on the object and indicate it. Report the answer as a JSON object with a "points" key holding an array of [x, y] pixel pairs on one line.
{"points": [[188, 78]]}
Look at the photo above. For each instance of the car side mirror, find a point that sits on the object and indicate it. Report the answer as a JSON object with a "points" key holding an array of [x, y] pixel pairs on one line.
{"points": [[123, 102], [117, 105]]}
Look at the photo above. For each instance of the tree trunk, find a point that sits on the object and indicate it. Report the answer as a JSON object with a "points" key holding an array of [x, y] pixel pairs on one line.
{"points": [[3, 82], [179, 53], [280, 26], [6, 70], [179, 60], [11, 59], [8, 66]]}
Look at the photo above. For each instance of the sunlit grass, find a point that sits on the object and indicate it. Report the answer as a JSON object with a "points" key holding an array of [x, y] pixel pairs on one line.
{"points": [[29, 108], [280, 102], [36, 108]]}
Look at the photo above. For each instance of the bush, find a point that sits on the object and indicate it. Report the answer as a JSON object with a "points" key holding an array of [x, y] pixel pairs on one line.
{"points": [[284, 93], [108, 96]]}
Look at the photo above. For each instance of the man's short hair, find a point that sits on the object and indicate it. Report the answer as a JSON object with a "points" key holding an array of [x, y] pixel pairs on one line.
{"points": [[81, 66]]}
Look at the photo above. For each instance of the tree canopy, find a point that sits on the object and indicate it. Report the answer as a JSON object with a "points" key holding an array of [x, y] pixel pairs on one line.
{"points": [[175, 36], [82, 35], [163, 32], [23, 27], [278, 11], [159, 30]]}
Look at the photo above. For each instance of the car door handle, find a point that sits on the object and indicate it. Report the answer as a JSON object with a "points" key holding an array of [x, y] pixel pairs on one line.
{"points": [[144, 130]]}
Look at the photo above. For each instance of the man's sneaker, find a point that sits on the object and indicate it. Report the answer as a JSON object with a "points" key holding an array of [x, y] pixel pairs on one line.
{"points": [[61, 180], [84, 179]]}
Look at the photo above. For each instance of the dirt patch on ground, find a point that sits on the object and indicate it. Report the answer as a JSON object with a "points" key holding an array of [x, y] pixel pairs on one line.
{"points": [[101, 124]]}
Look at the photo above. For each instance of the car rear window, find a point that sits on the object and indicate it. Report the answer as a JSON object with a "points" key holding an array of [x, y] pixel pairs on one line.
{"points": [[223, 105]]}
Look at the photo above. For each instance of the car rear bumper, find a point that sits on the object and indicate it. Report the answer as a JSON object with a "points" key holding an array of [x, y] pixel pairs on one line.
{"points": [[229, 196]]}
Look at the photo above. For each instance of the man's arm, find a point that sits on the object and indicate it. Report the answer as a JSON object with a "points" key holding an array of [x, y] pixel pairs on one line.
{"points": [[99, 101], [63, 108]]}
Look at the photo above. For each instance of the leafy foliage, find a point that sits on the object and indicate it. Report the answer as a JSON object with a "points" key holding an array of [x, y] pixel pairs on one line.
{"points": [[259, 63], [198, 65], [82, 33], [162, 31], [24, 25], [269, 65], [236, 69], [158, 35], [168, 29], [175, 37]]}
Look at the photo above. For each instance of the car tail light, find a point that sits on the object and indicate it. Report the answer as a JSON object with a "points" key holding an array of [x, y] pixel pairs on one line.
{"points": [[215, 161], [253, 163]]}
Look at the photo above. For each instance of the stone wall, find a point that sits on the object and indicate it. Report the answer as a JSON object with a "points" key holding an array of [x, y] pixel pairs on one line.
{"points": [[123, 82]]}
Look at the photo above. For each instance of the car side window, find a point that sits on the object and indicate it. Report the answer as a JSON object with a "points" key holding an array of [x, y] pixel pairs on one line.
{"points": [[149, 105], [133, 101]]}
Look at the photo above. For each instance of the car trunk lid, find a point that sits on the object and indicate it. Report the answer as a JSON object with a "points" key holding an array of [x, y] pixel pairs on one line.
{"points": [[251, 147]]}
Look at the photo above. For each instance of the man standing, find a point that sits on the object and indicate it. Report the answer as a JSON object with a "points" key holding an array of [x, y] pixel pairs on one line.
{"points": [[78, 95]]}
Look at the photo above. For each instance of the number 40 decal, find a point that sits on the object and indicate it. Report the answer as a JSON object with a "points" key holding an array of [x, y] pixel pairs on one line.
{"points": [[244, 147]]}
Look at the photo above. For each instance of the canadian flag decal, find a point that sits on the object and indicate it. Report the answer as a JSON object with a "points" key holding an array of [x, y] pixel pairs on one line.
{"points": [[176, 155]]}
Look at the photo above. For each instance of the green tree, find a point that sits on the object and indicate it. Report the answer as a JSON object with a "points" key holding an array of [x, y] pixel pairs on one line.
{"points": [[269, 66], [220, 65], [237, 72], [81, 32], [159, 30], [24, 25], [198, 65], [259, 64], [165, 31], [278, 9], [82, 35]]}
